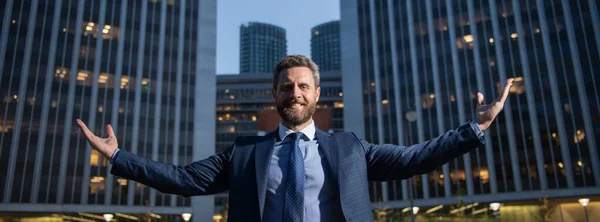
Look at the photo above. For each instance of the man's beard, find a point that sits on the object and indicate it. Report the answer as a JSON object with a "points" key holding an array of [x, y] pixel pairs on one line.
{"points": [[295, 117]]}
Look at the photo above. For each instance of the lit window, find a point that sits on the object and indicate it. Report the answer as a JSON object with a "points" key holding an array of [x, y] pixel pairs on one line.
{"points": [[100, 109], [491, 40], [578, 137], [253, 118], [385, 101], [124, 81], [468, 38], [94, 158], [96, 184], [122, 182], [514, 35], [339, 104], [102, 78], [82, 75], [96, 179], [108, 31], [61, 72]]}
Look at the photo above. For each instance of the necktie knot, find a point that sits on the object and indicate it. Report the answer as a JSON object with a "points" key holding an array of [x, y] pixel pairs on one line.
{"points": [[297, 137]]}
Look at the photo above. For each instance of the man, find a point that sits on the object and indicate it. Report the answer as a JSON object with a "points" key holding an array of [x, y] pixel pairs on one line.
{"points": [[298, 172]]}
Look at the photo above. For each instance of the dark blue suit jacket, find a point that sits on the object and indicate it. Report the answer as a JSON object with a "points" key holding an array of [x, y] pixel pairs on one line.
{"points": [[243, 168]]}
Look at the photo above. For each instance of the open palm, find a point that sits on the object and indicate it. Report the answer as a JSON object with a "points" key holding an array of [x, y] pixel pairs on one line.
{"points": [[105, 146], [486, 113]]}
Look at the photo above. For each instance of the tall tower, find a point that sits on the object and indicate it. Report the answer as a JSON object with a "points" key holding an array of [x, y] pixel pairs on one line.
{"points": [[141, 66], [412, 70], [325, 46], [261, 47]]}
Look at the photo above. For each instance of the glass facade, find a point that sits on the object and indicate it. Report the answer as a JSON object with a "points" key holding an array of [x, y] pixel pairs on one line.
{"points": [[137, 65], [261, 47], [421, 64], [325, 46]]}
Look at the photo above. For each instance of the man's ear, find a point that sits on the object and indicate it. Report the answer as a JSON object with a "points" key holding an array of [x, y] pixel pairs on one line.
{"points": [[318, 93]]}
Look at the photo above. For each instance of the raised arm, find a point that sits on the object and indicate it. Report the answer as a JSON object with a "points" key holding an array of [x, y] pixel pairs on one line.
{"points": [[203, 177], [392, 162]]}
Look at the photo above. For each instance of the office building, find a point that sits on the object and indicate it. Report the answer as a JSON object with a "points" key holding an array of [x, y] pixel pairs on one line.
{"points": [[325, 46], [261, 47], [144, 66], [419, 66], [245, 107]]}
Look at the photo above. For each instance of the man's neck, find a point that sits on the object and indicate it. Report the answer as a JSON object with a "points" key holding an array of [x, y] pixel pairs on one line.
{"points": [[297, 128]]}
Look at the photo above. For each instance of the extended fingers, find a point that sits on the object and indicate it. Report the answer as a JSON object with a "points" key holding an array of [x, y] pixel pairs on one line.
{"points": [[110, 131], [86, 132], [480, 99], [504, 94]]}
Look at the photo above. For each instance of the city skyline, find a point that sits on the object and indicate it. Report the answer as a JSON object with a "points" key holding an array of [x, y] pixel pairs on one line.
{"points": [[296, 17]]}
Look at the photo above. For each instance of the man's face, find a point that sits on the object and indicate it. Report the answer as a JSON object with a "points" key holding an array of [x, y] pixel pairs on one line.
{"points": [[296, 95]]}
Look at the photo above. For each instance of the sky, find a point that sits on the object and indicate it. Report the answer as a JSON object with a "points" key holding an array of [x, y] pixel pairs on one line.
{"points": [[297, 17]]}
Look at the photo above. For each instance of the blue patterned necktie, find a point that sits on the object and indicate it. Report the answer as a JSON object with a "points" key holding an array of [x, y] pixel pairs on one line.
{"points": [[293, 207]]}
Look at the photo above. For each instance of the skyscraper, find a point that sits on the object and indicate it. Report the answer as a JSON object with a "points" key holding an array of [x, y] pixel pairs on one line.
{"points": [[261, 47], [418, 66], [325, 46], [142, 66]]}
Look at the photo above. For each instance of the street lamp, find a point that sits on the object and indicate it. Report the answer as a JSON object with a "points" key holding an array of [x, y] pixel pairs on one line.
{"points": [[108, 217], [495, 207], [186, 216], [584, 202]]}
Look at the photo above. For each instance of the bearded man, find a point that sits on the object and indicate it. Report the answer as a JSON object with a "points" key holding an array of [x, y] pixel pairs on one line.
{"points": [[298, 172]]}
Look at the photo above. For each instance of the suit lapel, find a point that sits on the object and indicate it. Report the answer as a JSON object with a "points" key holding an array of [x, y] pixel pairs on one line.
{"points": [[262, 156], [329, 148]]}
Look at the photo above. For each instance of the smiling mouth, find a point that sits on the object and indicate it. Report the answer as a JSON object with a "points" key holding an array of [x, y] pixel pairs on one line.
{"points": [[295, 105]]}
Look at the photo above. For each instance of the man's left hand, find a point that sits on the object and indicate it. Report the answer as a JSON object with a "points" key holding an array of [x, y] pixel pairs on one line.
{"points": [[486, 113]]}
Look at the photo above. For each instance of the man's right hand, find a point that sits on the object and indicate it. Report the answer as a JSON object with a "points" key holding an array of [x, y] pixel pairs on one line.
{"points": [[105, 146]]}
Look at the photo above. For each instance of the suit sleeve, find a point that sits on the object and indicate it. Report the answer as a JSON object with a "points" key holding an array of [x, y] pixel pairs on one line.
{"points": [[393, 162], [204, 177]]}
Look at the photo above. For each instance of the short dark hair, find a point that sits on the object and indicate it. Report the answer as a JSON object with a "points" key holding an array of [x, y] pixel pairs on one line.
{"points": [[292, 61]]}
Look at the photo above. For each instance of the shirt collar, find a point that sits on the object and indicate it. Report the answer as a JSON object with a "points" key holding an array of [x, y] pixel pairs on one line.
{"points": [[309, 131]]}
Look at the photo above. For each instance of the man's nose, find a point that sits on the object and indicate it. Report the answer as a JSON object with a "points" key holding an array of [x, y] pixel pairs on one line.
{"points": [[297, 93]]}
